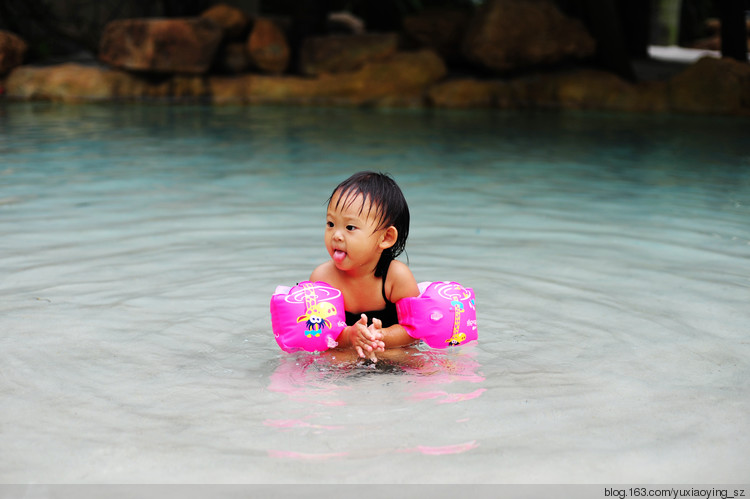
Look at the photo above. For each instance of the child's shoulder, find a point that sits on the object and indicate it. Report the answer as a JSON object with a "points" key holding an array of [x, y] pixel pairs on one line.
{"points": [[399, 270], [323, 272], [400, 282]]}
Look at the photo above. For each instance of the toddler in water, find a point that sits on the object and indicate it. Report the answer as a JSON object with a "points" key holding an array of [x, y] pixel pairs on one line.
{"points": [[367, 224]]}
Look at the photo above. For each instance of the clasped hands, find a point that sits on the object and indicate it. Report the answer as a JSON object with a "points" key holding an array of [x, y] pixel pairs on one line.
{"points": [[367, 340]]}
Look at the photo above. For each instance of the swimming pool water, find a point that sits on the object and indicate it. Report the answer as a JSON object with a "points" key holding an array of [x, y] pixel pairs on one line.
{"points": [[610, 256]]}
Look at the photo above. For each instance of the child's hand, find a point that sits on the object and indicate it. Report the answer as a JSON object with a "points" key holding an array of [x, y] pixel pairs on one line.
{"points": [[376, 328], [366, 341]]}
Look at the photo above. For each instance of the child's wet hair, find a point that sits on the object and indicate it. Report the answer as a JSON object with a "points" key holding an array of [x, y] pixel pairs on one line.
{"points": [[380, 193]]}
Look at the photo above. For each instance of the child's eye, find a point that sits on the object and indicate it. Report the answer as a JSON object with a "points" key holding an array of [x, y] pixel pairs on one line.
{"points": [[350, 227], [329, 224]]}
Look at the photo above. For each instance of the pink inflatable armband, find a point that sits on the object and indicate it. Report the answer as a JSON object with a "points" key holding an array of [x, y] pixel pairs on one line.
{"points": [[444, 314], [309, 316]]}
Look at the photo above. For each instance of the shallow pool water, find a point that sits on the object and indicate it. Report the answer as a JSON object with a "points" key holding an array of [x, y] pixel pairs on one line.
{"points": [[609, 254]]}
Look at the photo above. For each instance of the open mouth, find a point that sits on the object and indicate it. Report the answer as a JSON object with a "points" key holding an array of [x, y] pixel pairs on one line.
{"points": [[338, 256]]}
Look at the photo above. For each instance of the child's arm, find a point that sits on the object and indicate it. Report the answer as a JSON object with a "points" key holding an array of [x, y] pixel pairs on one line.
{"points": [[403, 285], [393, 336]]}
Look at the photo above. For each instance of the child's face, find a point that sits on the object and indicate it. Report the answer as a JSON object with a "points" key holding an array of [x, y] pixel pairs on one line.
{"points": [[352, 237]]}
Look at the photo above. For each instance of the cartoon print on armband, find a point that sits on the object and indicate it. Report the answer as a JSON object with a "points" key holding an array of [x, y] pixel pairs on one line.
{"points": [[458, 308], [316, 318]]}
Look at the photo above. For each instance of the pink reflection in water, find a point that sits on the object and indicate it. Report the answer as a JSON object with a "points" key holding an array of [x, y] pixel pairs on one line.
{"points": [[441, 449], [449, 398], [441, 367], [448, 449], [306, 378]]}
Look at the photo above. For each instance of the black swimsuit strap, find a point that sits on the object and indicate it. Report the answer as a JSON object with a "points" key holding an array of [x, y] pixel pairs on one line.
{"points": [[385, 276]]}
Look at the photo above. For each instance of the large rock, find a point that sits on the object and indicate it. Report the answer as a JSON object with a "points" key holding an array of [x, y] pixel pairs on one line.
{"points": [[233, 21], [470, 93], [65, 82], [398, 81], [185, 45], [267, 89], [406, 73], [267, 47], [12, 51], [344, 53], [582, 89], [440, 29], [509, 34], [711, 86], [79, 83]]}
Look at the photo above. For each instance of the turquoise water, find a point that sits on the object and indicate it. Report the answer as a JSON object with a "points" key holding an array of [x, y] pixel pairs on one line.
{"points": [[610, 257]]}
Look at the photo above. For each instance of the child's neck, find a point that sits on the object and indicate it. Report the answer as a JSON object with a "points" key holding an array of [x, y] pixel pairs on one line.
{"points": [[359, 275]]}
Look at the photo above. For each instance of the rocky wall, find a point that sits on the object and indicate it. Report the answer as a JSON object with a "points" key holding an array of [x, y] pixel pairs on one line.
{"points": [[226, 57]]}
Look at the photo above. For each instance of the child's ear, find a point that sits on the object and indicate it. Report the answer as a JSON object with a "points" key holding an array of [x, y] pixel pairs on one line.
{"points": [[389, 238]]}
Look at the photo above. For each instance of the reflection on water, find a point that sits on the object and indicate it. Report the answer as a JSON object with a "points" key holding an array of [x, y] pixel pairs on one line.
{"points": [[330, 379], [307, 377], [140, 246]]}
